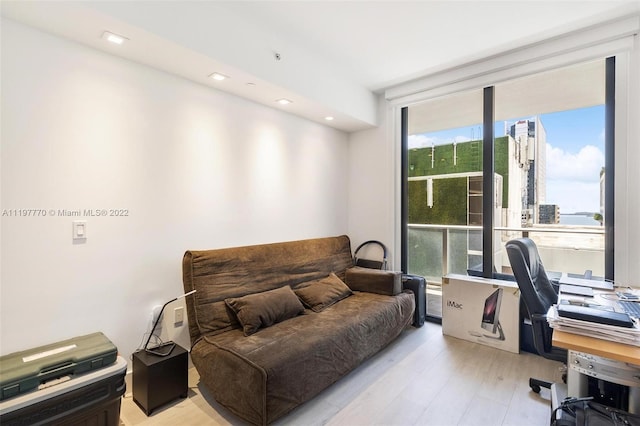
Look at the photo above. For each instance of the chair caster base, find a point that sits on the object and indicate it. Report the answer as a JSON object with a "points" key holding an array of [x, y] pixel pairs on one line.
{"points": [[536, 385]]}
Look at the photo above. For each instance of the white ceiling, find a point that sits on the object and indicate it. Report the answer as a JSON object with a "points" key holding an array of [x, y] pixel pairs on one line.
{"points": [[335, 56]]}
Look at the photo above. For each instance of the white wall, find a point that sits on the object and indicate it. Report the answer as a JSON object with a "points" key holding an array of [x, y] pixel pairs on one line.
{"points": [[372, 180], [194, 167], [627, 201]]}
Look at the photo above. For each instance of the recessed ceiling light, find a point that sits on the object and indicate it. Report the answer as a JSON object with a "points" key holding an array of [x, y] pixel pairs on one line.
{"points": [[218, 76], [283, 101], [114, 38], [328, 118]]}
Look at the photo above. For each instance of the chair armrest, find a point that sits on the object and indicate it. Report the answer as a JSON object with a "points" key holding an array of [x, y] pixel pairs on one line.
{"points": [[542, 337], [374, 280]]}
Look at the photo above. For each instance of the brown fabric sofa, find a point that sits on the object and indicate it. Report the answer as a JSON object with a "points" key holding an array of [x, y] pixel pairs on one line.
{"points": [[293, 352]]}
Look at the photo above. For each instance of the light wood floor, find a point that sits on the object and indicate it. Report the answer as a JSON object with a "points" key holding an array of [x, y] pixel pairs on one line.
{"points": [[422, 378]]}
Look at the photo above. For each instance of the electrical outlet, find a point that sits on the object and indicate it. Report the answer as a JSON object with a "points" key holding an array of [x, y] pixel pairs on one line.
{"points": [[178, 315]]}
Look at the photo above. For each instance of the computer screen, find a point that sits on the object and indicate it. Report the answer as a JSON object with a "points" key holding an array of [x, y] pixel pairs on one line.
{"points": [[491, 312]]}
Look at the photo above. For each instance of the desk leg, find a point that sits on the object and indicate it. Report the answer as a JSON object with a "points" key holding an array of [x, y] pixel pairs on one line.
{"points": [[634, 400], [577, 384]]}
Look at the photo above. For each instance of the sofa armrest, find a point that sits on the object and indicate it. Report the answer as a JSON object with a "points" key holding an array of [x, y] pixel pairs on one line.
{"points": [[374, 280]]}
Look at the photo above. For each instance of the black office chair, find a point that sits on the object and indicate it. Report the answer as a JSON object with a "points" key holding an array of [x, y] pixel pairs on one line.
{"points": [[538, 295]]}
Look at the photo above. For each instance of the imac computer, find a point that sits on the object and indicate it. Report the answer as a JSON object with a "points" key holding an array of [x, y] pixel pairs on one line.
{"points": [[491, 315]]}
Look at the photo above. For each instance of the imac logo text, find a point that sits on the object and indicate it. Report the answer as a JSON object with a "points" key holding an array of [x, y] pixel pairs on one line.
{"points": [[452, 304]]}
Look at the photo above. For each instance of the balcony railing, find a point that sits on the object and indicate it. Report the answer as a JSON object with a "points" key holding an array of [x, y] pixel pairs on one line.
{"points": [[436, 250]]}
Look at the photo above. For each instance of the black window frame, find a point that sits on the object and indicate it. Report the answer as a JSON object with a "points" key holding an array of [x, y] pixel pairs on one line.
{"points": [[488, 184]]}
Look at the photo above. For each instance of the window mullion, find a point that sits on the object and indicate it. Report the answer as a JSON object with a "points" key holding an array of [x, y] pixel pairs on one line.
{"points": [[609, 166], [487, 181]]}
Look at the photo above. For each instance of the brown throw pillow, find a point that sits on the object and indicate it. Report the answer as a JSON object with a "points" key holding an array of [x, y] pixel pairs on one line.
{"points": [[320, 294], [265, 309]]}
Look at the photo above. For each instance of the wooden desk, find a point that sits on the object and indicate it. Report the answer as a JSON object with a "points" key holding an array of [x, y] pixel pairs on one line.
{"points": [[581, 348], [615, 362], [594, 346]]}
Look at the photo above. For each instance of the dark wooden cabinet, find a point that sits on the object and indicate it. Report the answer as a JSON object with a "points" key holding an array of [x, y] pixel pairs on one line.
{"points": [[158, 380]]}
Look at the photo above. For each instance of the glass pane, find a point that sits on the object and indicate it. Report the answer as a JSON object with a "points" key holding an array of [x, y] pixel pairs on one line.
{"points": [[551, 132], [444, 190]]}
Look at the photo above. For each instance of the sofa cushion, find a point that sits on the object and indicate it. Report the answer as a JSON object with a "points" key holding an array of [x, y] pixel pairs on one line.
{"points": [[258, 310], [320, 294], [225, 273], [374, 280], [266, 375]]}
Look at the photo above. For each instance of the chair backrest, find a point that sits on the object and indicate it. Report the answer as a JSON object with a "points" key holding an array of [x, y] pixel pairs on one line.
{"points": [[537, 292]]}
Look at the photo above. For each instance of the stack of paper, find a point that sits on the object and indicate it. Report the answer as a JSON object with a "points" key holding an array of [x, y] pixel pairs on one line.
{"points": [[629, 336]]}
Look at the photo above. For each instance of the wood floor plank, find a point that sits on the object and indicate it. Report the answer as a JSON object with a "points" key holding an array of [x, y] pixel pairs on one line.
{"points": [[422, 378], [502, 376], [483, 411]]}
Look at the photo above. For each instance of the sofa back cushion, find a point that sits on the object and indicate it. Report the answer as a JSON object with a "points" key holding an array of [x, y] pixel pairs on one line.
{"points": [[235, 272]]}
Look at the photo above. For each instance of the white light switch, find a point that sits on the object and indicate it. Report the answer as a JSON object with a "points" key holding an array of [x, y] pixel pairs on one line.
{"points": [[178, 315], [79, 230]]}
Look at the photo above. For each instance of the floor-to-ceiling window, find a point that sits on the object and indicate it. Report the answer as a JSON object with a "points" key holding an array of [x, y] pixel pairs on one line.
{"points": [[544, 138], [444, 188], [554, 126]]}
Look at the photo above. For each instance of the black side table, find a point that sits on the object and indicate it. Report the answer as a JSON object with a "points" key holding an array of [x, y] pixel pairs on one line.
{"points": [[158, 380]]}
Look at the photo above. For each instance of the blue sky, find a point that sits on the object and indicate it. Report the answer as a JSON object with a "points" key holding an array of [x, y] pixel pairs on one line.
{"points": [[575, 154], [571, 130]]}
